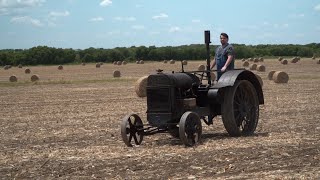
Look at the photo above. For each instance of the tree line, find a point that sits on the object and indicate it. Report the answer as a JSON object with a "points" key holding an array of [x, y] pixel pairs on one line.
{"points": [[49, 55]]}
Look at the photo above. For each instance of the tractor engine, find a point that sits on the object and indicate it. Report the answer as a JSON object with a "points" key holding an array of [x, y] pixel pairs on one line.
{"points": [[169, 96]]}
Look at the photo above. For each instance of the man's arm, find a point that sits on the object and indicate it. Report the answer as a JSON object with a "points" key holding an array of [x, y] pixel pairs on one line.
{"points": [[230, 57], [213, 63]]}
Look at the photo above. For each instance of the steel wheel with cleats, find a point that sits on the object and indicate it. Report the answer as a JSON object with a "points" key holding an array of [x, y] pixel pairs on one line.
{"points": [[240, 109]]}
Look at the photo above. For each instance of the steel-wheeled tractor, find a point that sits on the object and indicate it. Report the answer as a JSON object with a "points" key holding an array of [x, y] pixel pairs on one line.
{"points": [[178, 102]]}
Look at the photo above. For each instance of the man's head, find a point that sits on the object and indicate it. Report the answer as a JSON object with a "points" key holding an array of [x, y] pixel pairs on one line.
{"points": [[224, 38]]}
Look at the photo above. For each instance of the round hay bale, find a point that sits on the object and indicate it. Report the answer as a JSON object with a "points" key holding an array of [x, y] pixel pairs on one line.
{"points": [[20, 66], [256, 60], [284, 62], [280, 58], [124, 62], [318, 61], [116, 73], [6, 67], [261, 59], [253, 66], [141, 62], [251, 59], [60, 67], [213, 76], [294, 60], [27, 71], [34, 78], [137, 62], [201, 67], [165, 61], [13, 78], [83, 64], [119, 63], [270, 75], [259, 79], [140, 86], [98, 65], [101, 63], [172, 61], [243, 59], [280, 77], [245, 64], [313, 57], [114, 62], [184, 62], [261, 68]]}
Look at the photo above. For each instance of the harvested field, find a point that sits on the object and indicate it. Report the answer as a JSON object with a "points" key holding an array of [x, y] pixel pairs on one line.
{"points": [[67, 126]]}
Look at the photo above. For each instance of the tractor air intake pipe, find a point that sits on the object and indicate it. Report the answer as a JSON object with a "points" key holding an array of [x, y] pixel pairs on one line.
{"points": [[207, 42]]}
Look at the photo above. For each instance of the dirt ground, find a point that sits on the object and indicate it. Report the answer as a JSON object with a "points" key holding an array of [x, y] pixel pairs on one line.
{"points": [[67, 126]]}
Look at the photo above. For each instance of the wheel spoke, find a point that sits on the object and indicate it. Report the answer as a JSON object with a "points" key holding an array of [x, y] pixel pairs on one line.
{"points": [[135, 138], [130, 138]]}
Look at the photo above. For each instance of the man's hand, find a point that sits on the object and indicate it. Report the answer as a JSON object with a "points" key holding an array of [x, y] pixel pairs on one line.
{"points": [[223, 69]]}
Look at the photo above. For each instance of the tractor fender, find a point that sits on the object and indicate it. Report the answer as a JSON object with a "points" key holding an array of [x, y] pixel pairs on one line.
{"points": [[230, 77]]}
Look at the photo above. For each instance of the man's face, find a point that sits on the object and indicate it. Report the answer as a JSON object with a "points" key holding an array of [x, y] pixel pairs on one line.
{"points": [[223, 40]]}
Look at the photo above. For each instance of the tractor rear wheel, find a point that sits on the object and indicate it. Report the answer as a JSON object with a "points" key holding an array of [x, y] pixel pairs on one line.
{"points": [[240, 109]]}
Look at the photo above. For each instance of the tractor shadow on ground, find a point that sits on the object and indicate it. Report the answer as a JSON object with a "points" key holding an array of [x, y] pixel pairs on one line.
{"points": [[173, 141]]}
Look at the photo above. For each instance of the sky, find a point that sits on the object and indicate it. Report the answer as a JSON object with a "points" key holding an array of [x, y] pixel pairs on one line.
{"points": [[81, 24]]}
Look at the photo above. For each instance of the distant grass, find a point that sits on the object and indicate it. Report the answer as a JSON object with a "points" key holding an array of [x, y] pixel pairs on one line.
{"points": [[29, 83]]}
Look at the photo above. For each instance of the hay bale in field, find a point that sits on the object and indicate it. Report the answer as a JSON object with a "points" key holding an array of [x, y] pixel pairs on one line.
{"points": [[253, 66], [245, 64], [280, 77], [6, 67], [114, 62], [27, 71], [313, 57], [137, 62], [60, 67], [256, 60], [98, 65], [13, 78], [251, 59], [20, 66], [165, 61], [184, 62], [295, 60], [284, 62], [141, 62], [318, 61], [34, 78], [201, 67], [101, 63], [213, 76], [259, 79], [280, 58], [83, 64], [261, 68], [119, 63], [140, 86], [261, 59], [116, 73], [172, 61], [270, 75], [124, 62]]}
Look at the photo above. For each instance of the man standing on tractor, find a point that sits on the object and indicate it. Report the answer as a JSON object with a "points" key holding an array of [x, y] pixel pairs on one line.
{"points": [[224, 56]]}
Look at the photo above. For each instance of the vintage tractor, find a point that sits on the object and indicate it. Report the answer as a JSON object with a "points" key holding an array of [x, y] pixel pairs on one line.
{"points": [[178, 101]]}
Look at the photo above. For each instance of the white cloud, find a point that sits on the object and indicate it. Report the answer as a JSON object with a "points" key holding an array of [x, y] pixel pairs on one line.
{"points": [[20, 3], [26, 20], [96, 19], [317, 7], [105, 3], [138, 27], [174, 29], [59, 14], [125, 18], [160, 16], [195, 20]]}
